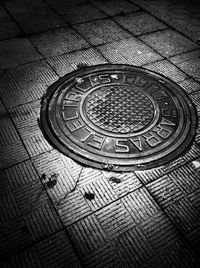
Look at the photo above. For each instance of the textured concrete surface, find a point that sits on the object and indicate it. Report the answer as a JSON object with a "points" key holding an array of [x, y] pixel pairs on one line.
{"points": [[53, 211], [182, 15]]}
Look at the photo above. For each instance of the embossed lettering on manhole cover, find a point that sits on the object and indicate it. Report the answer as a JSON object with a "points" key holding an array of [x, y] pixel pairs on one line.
{"points": [[118, 117]]}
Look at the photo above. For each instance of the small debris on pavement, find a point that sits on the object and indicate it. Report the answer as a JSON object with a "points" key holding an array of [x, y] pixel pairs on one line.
{"points": [[89, 196], [52, 181], [82, 66], [114, 179]]}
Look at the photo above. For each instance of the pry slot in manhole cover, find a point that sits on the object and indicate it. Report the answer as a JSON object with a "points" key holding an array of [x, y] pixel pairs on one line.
{"points": [[118, 117]]}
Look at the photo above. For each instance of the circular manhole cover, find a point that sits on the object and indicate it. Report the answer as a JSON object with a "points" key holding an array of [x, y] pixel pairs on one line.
{"points": [[118, 117]]}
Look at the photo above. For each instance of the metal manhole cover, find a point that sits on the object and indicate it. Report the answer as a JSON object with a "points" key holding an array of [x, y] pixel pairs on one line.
{"points": [[118, 117]]}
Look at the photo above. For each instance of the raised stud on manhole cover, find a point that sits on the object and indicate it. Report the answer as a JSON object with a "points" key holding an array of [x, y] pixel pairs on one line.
{"points": [[118, 117]]}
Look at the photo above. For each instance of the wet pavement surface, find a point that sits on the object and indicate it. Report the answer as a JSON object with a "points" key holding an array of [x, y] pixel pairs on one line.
{"points": [[57, 213]]}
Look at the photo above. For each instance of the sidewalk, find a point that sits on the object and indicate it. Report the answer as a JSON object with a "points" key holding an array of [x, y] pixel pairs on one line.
{"points": [[53, 211]]}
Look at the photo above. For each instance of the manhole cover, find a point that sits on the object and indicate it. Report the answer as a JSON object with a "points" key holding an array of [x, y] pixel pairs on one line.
{"points": [[118, 117]]}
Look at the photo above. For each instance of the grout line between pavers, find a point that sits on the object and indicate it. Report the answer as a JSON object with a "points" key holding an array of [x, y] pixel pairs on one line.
{"points": [[184, 53], [195, 91], [64, 227], [164, 57], [50, 200], [182, 235], [176, 228], [70, 25], [170, 26], [121, 197], [112, 202], [33, 243], [181, 165], [96, 46], [160, 207], [22, 31], [29, 158]]}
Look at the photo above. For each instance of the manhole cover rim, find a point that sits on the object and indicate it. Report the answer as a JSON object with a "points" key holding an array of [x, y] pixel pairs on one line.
{"points": [[94, 161]]}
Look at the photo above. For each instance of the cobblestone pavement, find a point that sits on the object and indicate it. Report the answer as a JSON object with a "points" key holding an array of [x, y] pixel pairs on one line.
{"points": [[53, 211]]}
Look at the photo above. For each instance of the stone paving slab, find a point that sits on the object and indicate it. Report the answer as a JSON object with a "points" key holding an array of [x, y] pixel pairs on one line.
{"points": [[60, 252], [101, 31], [9, 28], [25, 83], [69, 62], [55, 212], [83, 13], [107, 255], [61, 5], [115, 7], [133, 247], [26, 258], [20, 174], [122, 183], [16, 52], [3, 13], [190, 85], [168, 42], [195, 97], [189, 63], [151, 175], [140, 23], [12, 154], [23, 6], [181, 15], [167, 69], [129, 51], [59, 41], [39, 20]]}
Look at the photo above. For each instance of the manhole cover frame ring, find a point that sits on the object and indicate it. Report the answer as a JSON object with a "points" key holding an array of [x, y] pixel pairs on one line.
{"points": [[54, 141]]}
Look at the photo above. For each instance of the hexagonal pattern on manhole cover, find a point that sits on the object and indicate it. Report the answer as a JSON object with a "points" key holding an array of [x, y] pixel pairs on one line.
{"points": [[118, 117]]}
